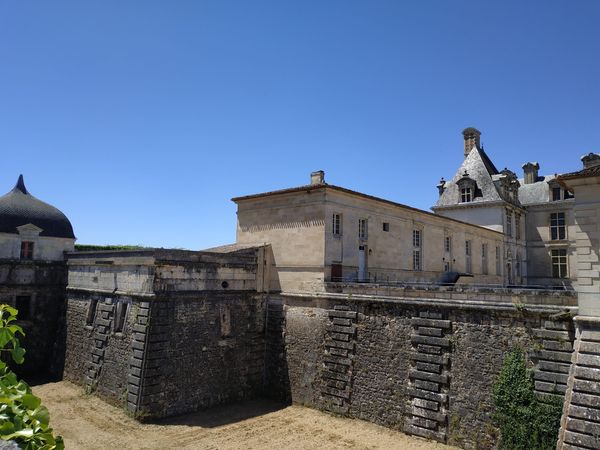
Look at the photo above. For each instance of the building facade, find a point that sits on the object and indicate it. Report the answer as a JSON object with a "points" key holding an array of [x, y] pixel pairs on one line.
{"points": [[33, 276], [534, 213], [321, 232]]}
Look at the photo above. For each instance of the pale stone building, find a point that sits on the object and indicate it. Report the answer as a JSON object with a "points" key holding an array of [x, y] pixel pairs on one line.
{"points": [[579, 424], [535, 214], [321, 232], [33, 239]]}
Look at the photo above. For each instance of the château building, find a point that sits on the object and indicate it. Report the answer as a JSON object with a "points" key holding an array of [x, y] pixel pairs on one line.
{"points": [[34, 237]]}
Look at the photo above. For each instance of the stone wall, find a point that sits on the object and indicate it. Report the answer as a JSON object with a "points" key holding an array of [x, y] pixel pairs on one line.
{"points": [[166, 332], [202, 351], [420, 366], [43, 282]]}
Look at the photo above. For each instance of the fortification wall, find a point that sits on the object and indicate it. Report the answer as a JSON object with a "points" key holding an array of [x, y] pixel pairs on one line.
{"points": [[425, 366], [41, 287], [165, 332]]}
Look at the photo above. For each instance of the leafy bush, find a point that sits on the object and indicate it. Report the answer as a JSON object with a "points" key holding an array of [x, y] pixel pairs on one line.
{"points": [[526, 422], [22, 416]]}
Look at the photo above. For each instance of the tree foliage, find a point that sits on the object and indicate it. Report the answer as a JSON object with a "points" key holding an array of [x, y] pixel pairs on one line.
{"points": [[526, 422], [22, 416]]}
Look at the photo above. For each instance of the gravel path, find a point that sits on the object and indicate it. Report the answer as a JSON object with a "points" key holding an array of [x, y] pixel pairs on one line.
{"points": [[86, 422]]}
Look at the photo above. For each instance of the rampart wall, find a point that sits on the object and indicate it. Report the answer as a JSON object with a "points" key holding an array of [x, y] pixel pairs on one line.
{"points": [[166, 332], [421, 365], [43, 284]]}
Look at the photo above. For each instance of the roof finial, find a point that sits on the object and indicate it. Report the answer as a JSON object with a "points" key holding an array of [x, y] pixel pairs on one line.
{"points": [[21, 185]]}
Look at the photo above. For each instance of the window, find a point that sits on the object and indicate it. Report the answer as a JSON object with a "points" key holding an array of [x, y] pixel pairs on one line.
{"points": [[386, 226], [498, 260], [558, 229], [120, 316], [23, 306], [508, 223], [26, 250], [363, 228], [518, 226], [559, 263], [560, 194], [556, 193], [91, 312], [416, 259], [447, 244], [337, 224], [484, 261], [466, 195], [446, 266], [417, 238], [468, 256], [417, 243]]}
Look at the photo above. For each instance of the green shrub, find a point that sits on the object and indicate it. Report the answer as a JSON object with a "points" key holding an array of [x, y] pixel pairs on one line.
{"points": [[22, 416], [525, 421]]}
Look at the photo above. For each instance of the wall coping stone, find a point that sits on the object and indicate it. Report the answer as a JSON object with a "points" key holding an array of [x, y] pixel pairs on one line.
{"points": [[442, 303]]}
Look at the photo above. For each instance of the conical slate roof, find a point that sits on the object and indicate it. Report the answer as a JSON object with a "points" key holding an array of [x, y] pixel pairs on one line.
{"points": [[19, 207]]}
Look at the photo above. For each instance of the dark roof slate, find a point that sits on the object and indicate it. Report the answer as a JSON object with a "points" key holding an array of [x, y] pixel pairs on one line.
{"points": [[479, 168], [19, 207], [593, 171]]}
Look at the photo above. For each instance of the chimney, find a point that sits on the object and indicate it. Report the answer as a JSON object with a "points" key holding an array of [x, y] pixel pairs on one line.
{"points": [[530, 172], [590, 160], [471, 136], [317, 177]]}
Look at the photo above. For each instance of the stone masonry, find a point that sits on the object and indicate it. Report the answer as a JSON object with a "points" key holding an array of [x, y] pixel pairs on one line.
{"points": [[425, 367]]}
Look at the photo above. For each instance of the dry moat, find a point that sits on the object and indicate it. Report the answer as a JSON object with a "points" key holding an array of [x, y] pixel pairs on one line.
{"points": [[88, 423]]}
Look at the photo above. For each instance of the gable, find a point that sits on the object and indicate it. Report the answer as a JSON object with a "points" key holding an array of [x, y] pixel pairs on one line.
{"points": [[480, 169]]}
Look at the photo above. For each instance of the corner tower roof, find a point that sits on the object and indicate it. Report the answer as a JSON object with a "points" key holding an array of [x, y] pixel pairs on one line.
{"points": [[19, 207]]}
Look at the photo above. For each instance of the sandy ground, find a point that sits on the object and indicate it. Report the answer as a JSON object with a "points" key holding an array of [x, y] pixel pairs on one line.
{"points": [[86, 422]]}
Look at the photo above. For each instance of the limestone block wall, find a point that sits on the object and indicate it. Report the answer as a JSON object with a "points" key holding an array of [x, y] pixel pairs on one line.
{"points": [[539, 244], [294, 226], [390, 252], [45, 248], [422, 366]]}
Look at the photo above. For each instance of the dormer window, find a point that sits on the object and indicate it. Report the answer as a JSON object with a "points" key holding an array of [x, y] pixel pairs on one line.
{"points": [[466, 195], [558, 193], [467, 188]]}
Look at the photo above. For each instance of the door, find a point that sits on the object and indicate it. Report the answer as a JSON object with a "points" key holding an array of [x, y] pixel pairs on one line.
{"points": [[362, 264], [336, 272]]}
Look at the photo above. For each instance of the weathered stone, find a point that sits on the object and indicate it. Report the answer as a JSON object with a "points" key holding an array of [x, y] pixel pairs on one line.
{"points": [[428, 340], [431, 323]]}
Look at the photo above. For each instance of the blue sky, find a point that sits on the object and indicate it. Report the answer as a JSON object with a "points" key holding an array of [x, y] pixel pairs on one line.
{"points": [[141, 119]]}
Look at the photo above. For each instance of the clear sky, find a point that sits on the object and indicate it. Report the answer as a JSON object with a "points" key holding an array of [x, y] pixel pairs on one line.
{"points": [[141, 119]]}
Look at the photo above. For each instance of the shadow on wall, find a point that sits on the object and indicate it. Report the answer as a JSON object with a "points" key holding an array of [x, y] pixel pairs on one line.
{"points": [[277, 380]]}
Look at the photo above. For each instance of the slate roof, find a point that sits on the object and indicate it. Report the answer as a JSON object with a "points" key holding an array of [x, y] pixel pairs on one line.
{"points": [[479, 168], [537, 192], [19, 207]]}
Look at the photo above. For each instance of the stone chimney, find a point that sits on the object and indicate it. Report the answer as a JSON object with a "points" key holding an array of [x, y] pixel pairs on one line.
{"points": [[590, 160], [530, 172], [317, 177], [471, 136]]}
